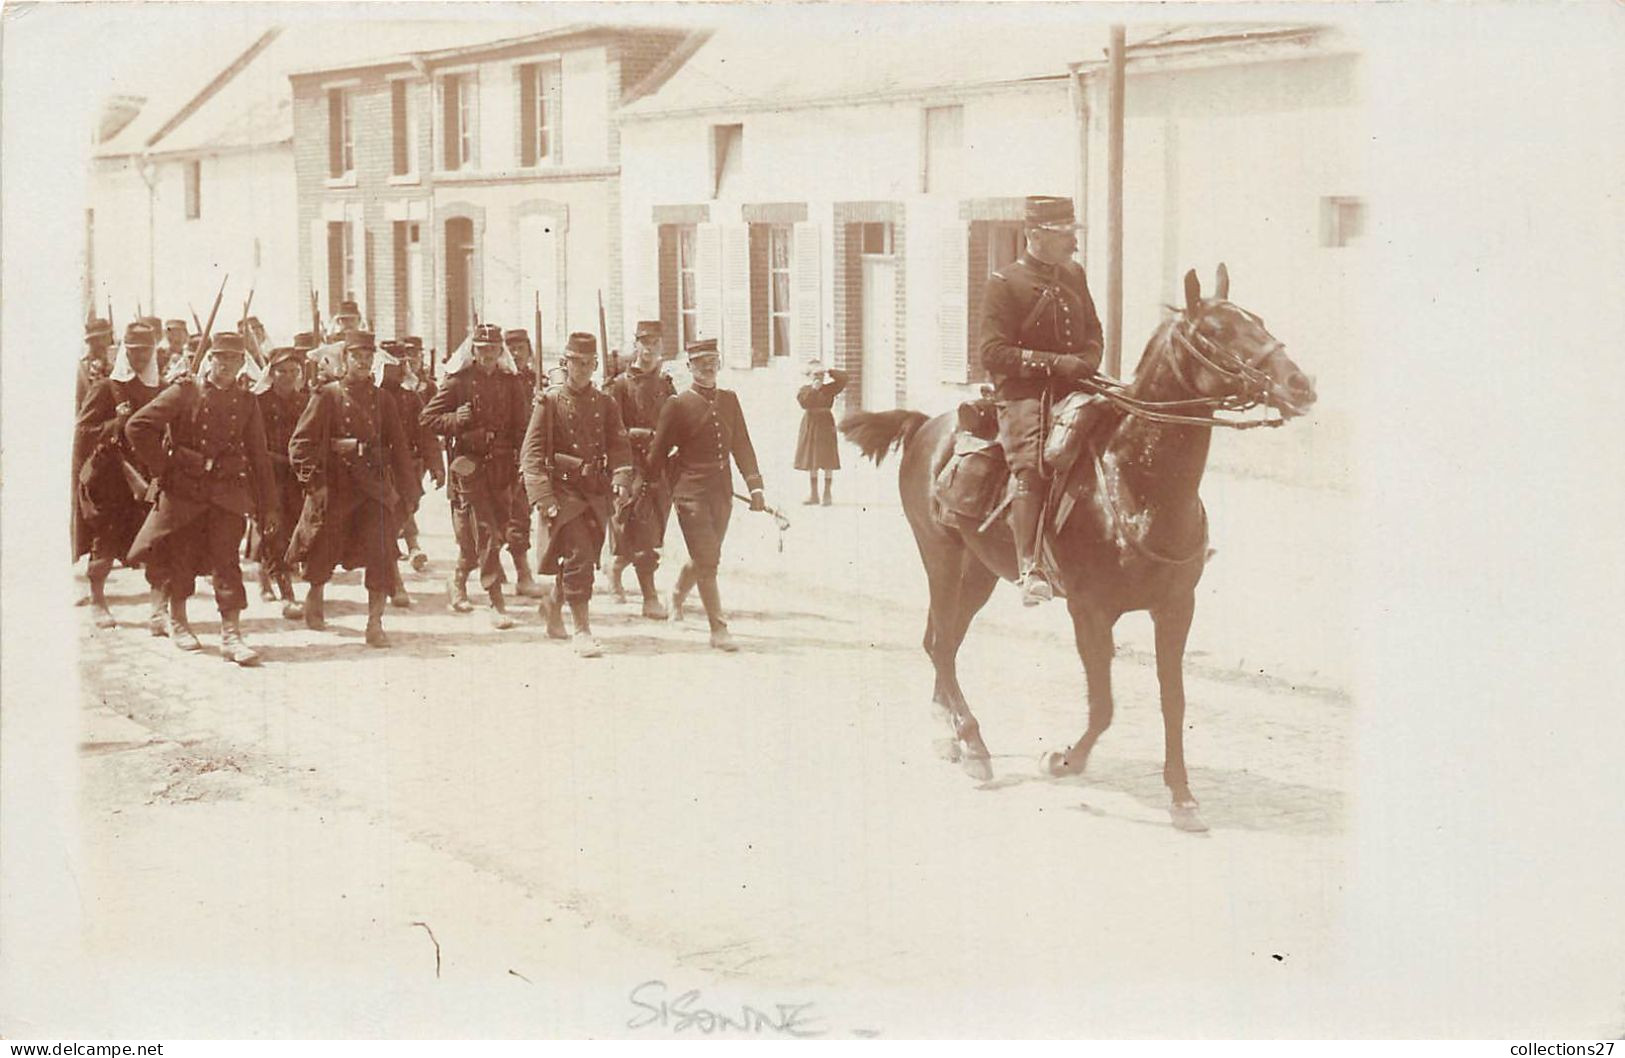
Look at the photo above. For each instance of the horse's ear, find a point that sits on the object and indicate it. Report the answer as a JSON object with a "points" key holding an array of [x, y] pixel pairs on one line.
{"points": [[1222, 289], [1193, 294]]}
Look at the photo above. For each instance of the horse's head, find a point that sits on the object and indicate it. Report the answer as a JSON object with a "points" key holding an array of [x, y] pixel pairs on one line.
{"points": [[1229, 353]]}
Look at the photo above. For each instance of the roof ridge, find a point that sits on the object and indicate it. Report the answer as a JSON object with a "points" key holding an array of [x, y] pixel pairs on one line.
{"points": [[219, 81]]}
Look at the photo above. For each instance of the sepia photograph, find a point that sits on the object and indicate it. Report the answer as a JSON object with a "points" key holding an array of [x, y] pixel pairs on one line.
{"points": [[840, 521]]}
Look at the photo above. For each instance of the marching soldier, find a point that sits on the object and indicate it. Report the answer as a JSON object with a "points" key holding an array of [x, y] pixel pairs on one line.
{"points": [[705, 426], [345, 320], [1040, 337], [518, 343], [281, 401], [348, 450], [109, 479], [638, 529], [480, 411], [95, 364], [390, 374], [174, 346], [430, 451], [575, 455], [205, 441]]}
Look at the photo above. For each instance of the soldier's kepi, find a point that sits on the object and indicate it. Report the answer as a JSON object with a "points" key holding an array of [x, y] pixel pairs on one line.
{"points": [[638, 528], [204, 439], [701, 434], [575, 456], [1040, 338]]}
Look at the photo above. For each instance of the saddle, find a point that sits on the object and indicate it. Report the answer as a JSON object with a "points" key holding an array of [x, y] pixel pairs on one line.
{"points": [[972, 485]]}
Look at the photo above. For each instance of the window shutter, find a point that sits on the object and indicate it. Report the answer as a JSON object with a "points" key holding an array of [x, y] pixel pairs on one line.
{"points": [[335, 132], [321, 260], [450, 122], [708, 276], [670, 324], [953, 304], [736, 315], [527, 114], [807, 334]]}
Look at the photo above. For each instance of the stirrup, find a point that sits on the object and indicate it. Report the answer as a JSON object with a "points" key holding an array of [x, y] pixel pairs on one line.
{"points": [[1035, 588]]}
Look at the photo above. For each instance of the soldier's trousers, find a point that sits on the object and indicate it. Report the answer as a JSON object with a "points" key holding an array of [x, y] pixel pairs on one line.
{"points": [[362, 536], [112, 532], [1021, 432], [703, 510], [577, 544], [480, 520], [518, 530], [273, 550], [207, 545]]}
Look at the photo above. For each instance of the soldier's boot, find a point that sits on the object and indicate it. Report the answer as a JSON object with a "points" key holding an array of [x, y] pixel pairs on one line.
{"points": [[99, 569], [679, 595], [414, 553], [1026, 508], [551, 610], [457, 592], [499, 609], [233, 647], [524, 581], [179, 629], [829, 501], [721, 638], [375, 618], [585, 643], [315, 617], [617, 569], [158, 615], [398, 596], [290, 602], [651, 597], [267, 592]]}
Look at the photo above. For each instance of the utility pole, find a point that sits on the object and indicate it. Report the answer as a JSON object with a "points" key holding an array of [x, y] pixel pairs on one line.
{"points": [[1114, 205], [1077, 90]]}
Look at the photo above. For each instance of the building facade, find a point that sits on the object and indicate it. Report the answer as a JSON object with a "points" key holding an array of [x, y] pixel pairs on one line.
{"points": [[482, 182]]}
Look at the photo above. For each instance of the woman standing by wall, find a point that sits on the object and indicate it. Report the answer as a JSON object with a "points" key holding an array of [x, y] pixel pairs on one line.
{"points": [[815, 446]]}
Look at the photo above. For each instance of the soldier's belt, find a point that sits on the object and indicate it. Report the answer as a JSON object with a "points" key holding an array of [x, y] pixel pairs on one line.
{"points": [[355, 448], [194, 463]]}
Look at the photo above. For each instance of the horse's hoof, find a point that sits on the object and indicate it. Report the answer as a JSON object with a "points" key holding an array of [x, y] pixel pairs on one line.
{"points": [[1187, 817], [978, 768], [948, 749], [1057, 766]]}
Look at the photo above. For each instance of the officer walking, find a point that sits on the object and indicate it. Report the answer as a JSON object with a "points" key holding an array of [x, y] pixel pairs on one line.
{"points": [[1040, 337], [575, 455], [205, 441], [699, 431]]}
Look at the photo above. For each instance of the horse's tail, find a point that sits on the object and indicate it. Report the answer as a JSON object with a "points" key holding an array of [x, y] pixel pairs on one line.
{"points": [[878, 432]]}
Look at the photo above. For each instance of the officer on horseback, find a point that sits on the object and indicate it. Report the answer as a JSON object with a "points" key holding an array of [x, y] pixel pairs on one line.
{"points": [[1040, 337]]}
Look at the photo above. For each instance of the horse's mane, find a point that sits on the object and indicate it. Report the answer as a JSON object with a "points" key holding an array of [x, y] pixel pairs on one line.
{"points": [[1157, 342]]}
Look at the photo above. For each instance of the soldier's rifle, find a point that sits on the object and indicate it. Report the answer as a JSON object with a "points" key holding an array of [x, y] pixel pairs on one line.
{"points": [[251, 341], [208, 328], [603, 338], [536, 351]]}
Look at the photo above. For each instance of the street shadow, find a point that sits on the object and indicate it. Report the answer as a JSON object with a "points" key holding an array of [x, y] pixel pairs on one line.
{"points": [[1231, 799]]}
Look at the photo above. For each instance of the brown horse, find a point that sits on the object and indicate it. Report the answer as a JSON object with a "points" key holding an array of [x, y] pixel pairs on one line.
{"points": [[1138, 541]]}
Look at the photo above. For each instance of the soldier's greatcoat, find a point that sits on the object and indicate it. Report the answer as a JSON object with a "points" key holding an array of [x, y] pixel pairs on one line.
{"points": [[279, 415], [638, 529], [483, 461], [109, 512], [206, 445]]}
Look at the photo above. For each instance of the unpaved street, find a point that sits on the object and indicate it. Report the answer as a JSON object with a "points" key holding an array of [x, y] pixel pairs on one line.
{"points": [[777, 819]]}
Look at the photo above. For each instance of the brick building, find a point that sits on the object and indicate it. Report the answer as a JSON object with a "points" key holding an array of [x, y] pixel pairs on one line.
{"points": [[852, 206], [444, 184]]}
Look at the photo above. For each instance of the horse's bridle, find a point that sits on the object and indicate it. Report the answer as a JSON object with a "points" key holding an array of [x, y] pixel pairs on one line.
{"points": [[1254, 384]]}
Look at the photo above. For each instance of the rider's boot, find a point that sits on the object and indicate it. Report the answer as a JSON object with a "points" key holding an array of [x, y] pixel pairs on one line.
{"points": [[1026, 510]]}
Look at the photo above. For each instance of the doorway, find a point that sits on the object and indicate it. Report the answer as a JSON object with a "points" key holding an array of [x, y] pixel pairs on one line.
{"points": [[459, 281]]}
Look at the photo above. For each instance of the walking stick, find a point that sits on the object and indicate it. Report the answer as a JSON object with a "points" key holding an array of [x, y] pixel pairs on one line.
{"points": [[779, 519]]}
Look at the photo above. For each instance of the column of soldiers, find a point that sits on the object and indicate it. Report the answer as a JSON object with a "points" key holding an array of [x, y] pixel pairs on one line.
{"points": [[322, 447]]}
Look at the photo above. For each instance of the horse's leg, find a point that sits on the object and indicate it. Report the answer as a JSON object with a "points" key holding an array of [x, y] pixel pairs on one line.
{"points": [[1093, 632], [1173, 625], [974, 583]]}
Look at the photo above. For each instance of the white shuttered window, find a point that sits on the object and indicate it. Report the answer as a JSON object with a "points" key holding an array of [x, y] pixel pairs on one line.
{"points": [[805, 278], [708, 274], [953, 304], [736, 316]]}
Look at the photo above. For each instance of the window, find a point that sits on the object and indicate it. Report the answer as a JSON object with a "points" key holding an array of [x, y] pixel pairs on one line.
{"points": [[459, 96], [1342, 220], [877, 238], [944, 143], [194, 189], [778, 289], [408, 274], [404, 131], [340, 141], [1004, 244], [539, 100], [340, 263], [688, 286], [727, 148]]}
